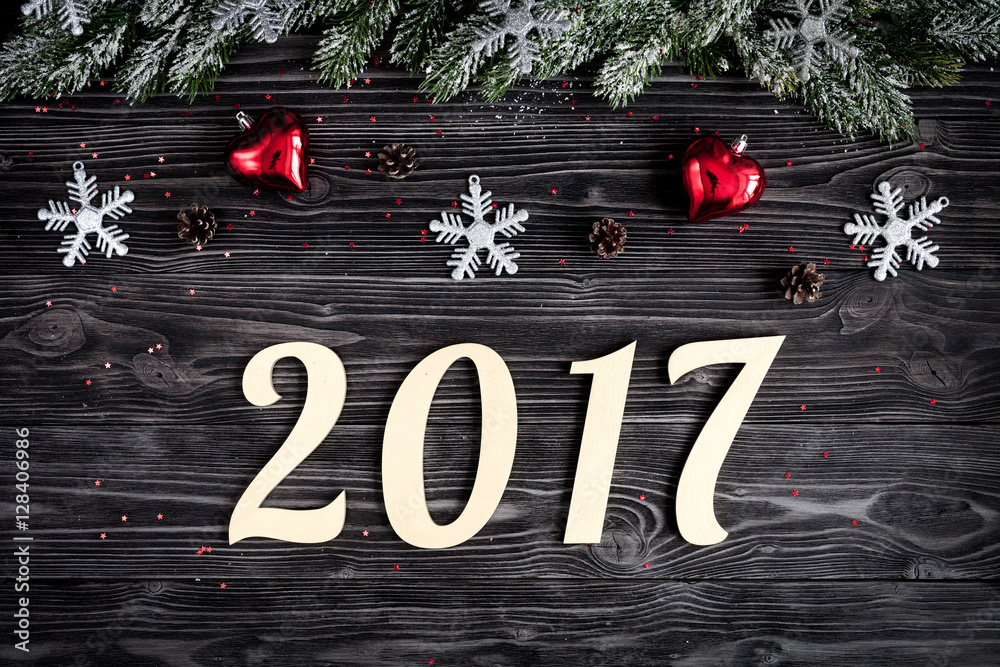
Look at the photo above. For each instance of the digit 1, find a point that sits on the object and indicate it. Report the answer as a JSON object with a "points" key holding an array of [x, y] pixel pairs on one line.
{"points": [[403, 448], [599, 445], [696, 488]]}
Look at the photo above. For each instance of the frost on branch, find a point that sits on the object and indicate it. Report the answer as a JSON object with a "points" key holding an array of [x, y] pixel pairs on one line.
{"points": [[88, 218], [517, 23], [73, 13], [480, 235], [264, 20], [801, 40], [897, 231]]}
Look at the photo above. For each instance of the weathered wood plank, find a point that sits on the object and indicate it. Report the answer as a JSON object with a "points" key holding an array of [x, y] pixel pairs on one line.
{"points": [[934, 337], [475, 622], [927, 500]]}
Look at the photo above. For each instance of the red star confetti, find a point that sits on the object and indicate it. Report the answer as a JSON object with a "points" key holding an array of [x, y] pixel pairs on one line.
{"points": [[398, 201], [788, 163], [365, 533], [454, 203], [788, 475], [656, 118], [631, 214], [104, 535], [191, 292], [347, 167], [645, 566], [97, 482], [826, 261], [388, 215], [351, 244], [439, 133], [562, 262], [864, 258], [372, 119], [167, 194], [628, 114], [878, 369], [368, 172], [48, 303], [851, 246], [802, 407], [83, 145], [344, 100], [494, 204], [430, 118], [312, 160], [395, 567], [826, 455], [697, 129], [933, 400], [39, 109], [186, 114], [922, 147], [117, 101], [289, 197], [305, 245], [854, 522], [565, 83], [114, 288], [159, 517], [415, 99], [586, 117], [218, 97], [88, 383], [368, 80], [124, 517], [253, 213], [554, 191], [268, 96], [642, 496], [795, 492], [572, 101], [281, 72], [791, 248], [319, 119], [93, 155], [128, 177], [102, 84], [222, 585], [694, 85], [697, 77], [368, 153], [670, 230], [209, 549], [670, 156]]}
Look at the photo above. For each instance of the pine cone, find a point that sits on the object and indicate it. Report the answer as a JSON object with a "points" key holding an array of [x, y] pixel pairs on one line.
{"points": [[197, 225], [397, 160], [802, 283], [608, 238]]}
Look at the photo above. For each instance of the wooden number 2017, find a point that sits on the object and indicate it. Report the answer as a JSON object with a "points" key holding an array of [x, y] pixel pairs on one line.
{"points": [[403, 444]]}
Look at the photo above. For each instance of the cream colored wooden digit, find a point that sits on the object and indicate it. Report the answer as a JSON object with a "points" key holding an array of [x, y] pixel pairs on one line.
{"points": [[325, 393], [403, 448], [599, 445], [696, 488]]}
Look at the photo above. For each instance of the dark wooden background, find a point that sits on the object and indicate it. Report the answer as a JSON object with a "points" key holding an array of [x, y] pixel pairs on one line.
{"points": [[914, 583]]}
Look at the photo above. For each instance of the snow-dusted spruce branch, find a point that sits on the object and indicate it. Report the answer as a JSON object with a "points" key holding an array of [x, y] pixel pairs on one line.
{"points": [[848, 61]]}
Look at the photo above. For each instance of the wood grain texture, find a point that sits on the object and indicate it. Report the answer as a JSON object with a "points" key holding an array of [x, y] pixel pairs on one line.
{"points": [[913, 453], [526, 623], [925, 497]]}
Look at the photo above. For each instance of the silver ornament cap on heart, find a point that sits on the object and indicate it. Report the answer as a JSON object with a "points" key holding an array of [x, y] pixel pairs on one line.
{"points": [[719, 179]]}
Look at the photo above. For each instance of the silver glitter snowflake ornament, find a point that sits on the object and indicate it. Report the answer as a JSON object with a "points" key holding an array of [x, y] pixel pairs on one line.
{"points": [[801, 40], [896, 231], [480, 235], [263, 19], [517, 23], [88, 218], [72, 12]]}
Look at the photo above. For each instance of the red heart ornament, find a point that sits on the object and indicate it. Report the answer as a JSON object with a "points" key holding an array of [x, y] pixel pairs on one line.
{"points": [[719, 180], [272, 153]]}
